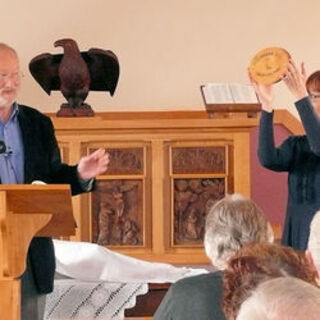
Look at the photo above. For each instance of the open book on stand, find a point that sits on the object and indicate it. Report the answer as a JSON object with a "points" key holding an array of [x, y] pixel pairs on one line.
{"points": [[230, 98]]}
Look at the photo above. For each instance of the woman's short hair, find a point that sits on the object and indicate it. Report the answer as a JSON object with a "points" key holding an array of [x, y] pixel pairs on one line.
{"points": [[314, 240], [256, 263], [230, 223], [313, 82], [283, 298]]}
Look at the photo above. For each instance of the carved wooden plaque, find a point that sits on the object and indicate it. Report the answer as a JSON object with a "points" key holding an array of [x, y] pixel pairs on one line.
{"points": [[117, 210], [269, 65], [125, 161], [192, 199], [198, 160]]}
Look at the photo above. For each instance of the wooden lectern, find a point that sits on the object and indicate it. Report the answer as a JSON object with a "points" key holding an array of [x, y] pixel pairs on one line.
{"points": [[27, 211]]}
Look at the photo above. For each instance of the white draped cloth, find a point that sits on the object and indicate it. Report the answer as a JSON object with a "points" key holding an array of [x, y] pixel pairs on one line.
{"points": [[103, 283], [91, 262]]}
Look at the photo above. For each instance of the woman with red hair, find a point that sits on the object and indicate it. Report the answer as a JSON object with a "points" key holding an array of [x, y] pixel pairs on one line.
{"points": [[258, 262]]}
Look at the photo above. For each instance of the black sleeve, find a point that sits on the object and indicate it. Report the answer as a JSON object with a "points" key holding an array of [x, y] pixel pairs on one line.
{"points": [[272, 157], [311, 123]]}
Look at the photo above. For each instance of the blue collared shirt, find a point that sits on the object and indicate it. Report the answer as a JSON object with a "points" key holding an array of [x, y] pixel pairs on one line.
{"points": [[12, 162]]}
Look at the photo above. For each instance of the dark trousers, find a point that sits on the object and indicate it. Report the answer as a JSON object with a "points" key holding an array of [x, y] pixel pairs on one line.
{"points": [[32, 302]]}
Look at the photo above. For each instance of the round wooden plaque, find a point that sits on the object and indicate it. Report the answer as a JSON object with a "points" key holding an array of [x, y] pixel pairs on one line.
{"points": [[269, 65]]}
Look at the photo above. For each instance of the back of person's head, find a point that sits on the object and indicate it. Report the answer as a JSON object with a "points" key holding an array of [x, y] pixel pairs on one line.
{"points": [[314, 240], [313, 82], [283, 298], [230, 223], [256, 263]]}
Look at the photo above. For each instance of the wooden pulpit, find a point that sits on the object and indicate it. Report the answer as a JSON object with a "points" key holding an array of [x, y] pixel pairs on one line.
{"points": [[27, 211]]}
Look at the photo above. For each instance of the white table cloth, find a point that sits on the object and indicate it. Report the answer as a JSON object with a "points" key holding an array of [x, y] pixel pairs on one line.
{"points": [[102, 283], [83, 300]]}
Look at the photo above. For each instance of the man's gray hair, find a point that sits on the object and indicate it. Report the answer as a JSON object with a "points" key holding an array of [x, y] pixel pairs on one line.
{"points": [[4, 47], [283, 298], [230, 223], [314, 240]]}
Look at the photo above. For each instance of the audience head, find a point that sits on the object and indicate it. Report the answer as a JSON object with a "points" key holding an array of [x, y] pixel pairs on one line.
{"points": [[256, 263], [284, 298], [230, 223], [314, 241]]}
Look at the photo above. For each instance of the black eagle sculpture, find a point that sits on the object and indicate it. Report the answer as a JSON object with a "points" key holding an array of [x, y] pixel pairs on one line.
{"points": [[74, 73]]}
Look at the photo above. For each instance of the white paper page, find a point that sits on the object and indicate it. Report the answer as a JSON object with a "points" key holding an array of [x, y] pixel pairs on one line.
{"points": [[207, 95], [218, 93], [243, 93]]}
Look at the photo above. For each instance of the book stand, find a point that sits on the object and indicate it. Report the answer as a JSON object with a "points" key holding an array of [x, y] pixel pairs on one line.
{"points": [[231, 110]]}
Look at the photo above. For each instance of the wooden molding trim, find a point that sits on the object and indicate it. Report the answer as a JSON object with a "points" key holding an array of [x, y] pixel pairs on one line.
{"points": [[168, 119], [143, 115]]}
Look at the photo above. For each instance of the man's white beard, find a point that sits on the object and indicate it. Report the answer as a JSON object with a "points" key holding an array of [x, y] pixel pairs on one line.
{"points": [[5, 102]]}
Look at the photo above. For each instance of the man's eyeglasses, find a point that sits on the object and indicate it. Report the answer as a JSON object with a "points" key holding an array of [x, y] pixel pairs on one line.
{"points": [[15, 76]]}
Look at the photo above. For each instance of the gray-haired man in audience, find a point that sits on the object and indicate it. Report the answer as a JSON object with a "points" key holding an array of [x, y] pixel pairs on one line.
{"points": [[230, 223], [283, 298]]}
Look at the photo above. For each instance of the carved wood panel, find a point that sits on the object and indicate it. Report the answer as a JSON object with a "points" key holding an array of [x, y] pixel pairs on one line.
{"points": [[199, 177], [118, 212], [192, 199], [199, 160], [125, 161]]}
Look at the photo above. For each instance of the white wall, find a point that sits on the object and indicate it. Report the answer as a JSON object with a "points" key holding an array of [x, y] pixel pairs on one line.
{"points": [[166, 48]]}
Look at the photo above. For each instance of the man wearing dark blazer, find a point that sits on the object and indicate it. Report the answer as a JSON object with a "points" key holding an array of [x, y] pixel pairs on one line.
{"points": [[32, 154]]}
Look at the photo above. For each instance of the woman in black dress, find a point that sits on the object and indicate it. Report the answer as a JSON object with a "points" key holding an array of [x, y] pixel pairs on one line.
{"points": [[298, 155]]}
